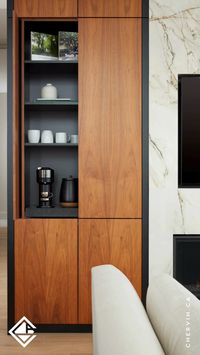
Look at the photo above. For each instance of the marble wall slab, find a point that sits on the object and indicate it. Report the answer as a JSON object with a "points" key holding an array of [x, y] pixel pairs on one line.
{"points": [[174, 49], [181, 8]]}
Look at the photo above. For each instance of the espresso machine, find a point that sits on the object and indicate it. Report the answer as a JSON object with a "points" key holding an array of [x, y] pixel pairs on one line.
{"points": [[45, 179]]}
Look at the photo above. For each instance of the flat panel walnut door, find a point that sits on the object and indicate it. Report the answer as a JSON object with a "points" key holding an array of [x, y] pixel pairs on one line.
{"points": [[46, 271], [110, 118], [111, 241], [110, 8], [46, 8]]}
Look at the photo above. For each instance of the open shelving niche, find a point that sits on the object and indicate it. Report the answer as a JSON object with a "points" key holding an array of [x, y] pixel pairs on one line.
{"points": [[57, 116]]}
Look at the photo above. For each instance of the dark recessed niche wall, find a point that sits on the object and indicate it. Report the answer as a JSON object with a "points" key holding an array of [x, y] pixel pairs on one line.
{"points": [[62, 75], [54, 116], [189, 130]]}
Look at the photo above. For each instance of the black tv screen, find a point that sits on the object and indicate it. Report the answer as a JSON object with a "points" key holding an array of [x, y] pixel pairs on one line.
{"points": [[189, 130]]}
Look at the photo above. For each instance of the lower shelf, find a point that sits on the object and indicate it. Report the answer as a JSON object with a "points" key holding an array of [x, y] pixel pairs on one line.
{"points": [[55, 212]]}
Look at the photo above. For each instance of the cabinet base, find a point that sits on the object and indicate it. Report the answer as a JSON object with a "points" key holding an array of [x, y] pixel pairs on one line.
{"points": [[63, 328]]}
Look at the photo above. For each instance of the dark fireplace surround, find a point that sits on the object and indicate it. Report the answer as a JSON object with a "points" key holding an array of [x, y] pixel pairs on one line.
{"points": [[186, 261]]}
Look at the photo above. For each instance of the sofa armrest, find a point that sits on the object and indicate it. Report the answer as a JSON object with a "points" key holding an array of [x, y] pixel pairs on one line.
{"points": [[120, 323], [175, 315]]}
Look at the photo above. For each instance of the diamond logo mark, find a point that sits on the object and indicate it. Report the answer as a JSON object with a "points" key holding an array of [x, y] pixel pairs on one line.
{"points": [[23, 332]]}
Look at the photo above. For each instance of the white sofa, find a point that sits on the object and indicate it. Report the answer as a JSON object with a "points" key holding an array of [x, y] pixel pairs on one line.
{"points": [[121, 326]]}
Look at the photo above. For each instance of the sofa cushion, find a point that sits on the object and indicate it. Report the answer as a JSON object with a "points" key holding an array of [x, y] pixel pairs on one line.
{"points": [[120, 323], [175, 315]]}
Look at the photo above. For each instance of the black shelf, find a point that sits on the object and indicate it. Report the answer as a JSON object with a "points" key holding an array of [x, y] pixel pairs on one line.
{"points": [[75, 61], [52, 103], [55, 212], [51, 106], [51, 145]]}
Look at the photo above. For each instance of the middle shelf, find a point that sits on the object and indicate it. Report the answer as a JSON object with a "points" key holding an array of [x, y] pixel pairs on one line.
{"points": [[51, 145], [51, 103]]}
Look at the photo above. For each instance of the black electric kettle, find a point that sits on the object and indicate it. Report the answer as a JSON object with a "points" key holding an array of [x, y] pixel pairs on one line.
{"points": [[69, 192]]}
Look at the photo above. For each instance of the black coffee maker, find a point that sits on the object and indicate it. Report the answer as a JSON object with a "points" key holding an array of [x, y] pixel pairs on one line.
{"points": [[45, 179]]}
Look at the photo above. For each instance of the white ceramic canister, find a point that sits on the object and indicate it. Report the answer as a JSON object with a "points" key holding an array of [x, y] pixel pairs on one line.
{"points": [[74, 138], [47, 136], [49, 92], [61, 137], [33, 135]]}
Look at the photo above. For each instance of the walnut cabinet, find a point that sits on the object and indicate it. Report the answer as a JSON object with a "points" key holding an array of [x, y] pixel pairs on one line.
{"points": [[110, 118], [46, 270], [51, 252]]}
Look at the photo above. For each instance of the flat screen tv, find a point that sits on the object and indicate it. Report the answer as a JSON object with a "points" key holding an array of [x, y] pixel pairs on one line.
{"points": [[189, 130]]}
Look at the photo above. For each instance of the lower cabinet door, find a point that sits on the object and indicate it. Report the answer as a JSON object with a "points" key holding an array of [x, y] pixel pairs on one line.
{"points": [[107, 241], [46, 270]]}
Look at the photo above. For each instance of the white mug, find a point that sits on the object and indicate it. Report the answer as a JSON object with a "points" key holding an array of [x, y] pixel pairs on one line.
{"points": [[74, 138], [61, 137], [47, 136], [33, 135]]}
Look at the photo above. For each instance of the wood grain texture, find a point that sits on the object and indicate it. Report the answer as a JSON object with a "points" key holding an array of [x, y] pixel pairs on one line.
{"points": [[116, 242], [46, 8], [46, 270], [110, 118], [16, 125], [46, 343], [110, 8]]}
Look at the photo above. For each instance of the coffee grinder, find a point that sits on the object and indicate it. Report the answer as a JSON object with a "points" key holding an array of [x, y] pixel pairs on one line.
{"points": [[45, 179]]}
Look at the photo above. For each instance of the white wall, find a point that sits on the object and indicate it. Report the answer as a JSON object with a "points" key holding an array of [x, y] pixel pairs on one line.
{"points": [[3, 138], [174, 49], [3, 4], [3, 30]]}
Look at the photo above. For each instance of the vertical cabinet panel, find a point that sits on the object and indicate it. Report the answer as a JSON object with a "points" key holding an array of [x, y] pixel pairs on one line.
{"points": [[110, 8], [46, 8], [16, 125], [116, 242], [46, 270], [110, 118]]}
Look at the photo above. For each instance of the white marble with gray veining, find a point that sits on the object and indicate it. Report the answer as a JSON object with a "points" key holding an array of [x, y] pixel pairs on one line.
{"points": [[161, 8], [174, 49]]}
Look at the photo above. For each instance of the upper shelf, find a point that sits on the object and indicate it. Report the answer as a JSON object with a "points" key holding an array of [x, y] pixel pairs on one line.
{"points": [[51, 61]]}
